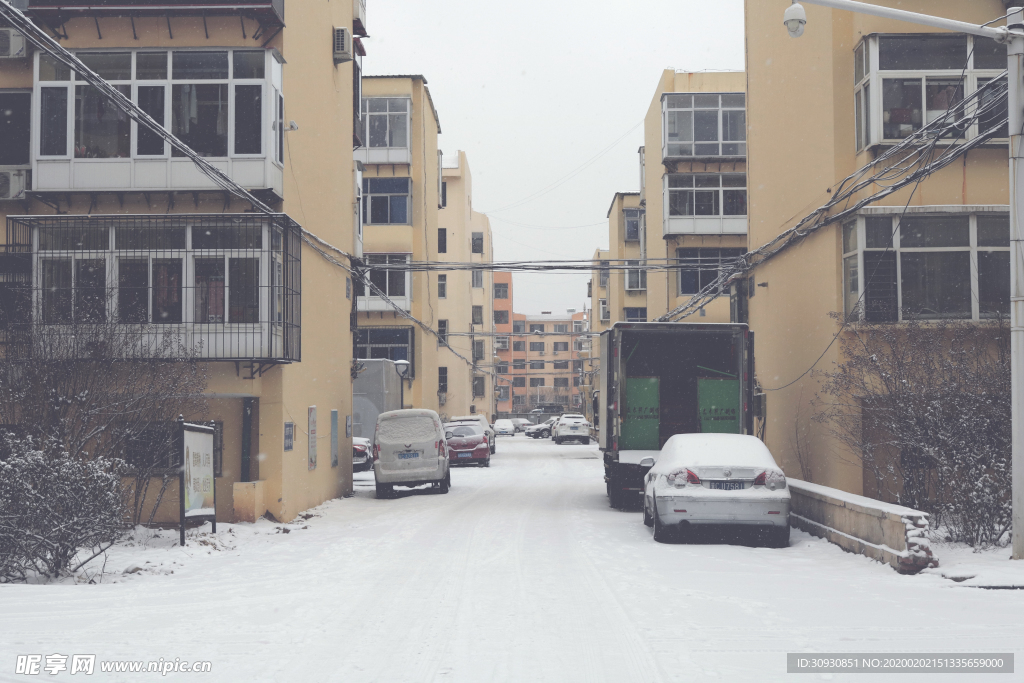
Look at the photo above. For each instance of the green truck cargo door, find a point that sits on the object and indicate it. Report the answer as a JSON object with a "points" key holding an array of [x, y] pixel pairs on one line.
{"points": [[642, 421], [719, 404]]}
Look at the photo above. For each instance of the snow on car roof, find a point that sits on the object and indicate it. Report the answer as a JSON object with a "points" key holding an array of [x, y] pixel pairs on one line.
{"points": [[698, 450]]}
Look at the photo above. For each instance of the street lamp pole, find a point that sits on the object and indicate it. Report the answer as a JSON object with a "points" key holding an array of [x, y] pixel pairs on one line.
{"points": [[1013, 37]]}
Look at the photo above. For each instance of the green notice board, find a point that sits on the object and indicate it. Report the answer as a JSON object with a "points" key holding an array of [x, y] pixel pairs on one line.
{"points": [[718, 401], [642, 422]]}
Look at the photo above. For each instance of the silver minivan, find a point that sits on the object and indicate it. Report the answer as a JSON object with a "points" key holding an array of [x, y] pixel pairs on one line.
{"points": [[409, 449]]}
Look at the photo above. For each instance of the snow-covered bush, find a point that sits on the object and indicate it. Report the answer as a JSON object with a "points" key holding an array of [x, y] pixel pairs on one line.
{"points": [[925, 406], [57, 511]]}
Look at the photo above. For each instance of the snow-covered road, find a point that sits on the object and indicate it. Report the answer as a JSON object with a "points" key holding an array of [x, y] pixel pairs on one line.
{"points": [[521, 573]]}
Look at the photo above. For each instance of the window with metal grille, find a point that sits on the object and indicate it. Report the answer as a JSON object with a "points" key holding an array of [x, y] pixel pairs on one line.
{"points": [[442, 332], [536, 381], [478, 242], [442, 379], [537, 346], [478, 350], [479, 384], [478, 315], [519, 381]]}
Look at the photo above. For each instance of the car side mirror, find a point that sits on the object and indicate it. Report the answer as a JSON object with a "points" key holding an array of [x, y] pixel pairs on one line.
{"points": [[647, 462], [448, 435]]}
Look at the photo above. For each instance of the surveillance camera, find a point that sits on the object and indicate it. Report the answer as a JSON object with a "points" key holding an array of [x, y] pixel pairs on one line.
{"points": [[795, 19]]}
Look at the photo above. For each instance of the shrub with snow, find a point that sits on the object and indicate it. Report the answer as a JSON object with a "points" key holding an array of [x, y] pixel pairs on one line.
{"points": [[925, 406], [57, 511]]}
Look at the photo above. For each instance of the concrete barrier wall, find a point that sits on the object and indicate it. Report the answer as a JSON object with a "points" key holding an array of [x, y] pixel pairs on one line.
{"points": [[882, 531]]}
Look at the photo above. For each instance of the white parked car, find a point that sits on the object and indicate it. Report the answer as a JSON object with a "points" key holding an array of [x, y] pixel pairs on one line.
{"points": [[571, 427], [521, 423], [480, 420], [542, 430], [409, 449], [709, 479], [362, 459], [504, 428]]}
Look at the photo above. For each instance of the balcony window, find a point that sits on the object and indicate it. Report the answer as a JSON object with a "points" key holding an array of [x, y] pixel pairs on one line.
{"points": [[707, 194], [704, 125], [904, 82], [392, 282], [699, 268], [224, 104], [387, 121], [386, 201], [184, 274], [636, 315], [932, 266], [390, 343], [636, 278]]}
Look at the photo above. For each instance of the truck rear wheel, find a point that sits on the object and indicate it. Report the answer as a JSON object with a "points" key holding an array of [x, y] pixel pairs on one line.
{"points": [[614, 496]]}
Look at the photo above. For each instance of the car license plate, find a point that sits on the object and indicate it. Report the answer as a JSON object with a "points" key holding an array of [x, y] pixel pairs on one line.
{"points": [[408, 455], [727, 485], [574, 428], [466, 454]]}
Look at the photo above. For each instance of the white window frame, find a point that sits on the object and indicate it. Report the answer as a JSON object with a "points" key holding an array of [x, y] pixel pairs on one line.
{"points": [[868, 118], [686, 102], [636, 278], [367, 114], [370, 301], [853, 261]]}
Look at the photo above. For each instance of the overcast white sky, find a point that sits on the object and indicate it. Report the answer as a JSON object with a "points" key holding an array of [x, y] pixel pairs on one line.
{"points": [[531, 91]]}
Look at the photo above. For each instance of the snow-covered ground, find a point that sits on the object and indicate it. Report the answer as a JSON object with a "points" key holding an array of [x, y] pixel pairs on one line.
{"points": [[521, 573]]}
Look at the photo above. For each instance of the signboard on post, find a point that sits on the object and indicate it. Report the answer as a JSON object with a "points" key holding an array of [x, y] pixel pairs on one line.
{"points": [[311, 449], [197, 490]]}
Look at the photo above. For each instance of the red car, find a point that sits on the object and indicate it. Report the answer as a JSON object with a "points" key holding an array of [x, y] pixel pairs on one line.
{"points": [[467, 444]]}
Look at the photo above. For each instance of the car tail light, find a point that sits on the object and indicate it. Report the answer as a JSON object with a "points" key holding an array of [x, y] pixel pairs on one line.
{"points": [[376, 452], [692, 478], [759, 479], [775, 480], [359, 447]]}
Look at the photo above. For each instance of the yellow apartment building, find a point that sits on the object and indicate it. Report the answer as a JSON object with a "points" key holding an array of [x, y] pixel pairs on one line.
{"points": [[466, 311], [503, 315], [96, 202], [822, 107], [691, 210], [414, 210]]}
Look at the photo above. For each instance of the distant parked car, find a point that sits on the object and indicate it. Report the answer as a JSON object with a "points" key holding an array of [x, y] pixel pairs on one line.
{"points": [[467, 444], [707, 479], [362, 459], [409, 449], [504, 428], [484, 424], [521, 423], [571, 427], [542, 430]]}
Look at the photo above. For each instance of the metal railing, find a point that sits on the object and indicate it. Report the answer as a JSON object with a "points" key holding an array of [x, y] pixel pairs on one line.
{"points": [[207, 286]]}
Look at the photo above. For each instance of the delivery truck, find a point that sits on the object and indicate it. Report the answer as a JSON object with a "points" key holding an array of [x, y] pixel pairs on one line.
{"points": [[377, 389], [660, 379]]}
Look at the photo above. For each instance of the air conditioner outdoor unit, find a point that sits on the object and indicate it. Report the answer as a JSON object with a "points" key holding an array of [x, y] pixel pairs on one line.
{"points": [[13, 183], [12, 44], [343, 47]]}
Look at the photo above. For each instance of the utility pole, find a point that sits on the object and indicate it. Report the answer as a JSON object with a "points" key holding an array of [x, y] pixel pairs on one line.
{"points": [[1013, 37]]}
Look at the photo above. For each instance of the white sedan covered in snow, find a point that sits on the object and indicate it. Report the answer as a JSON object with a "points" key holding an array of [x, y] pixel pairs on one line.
{"points": [[716, 479]]}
